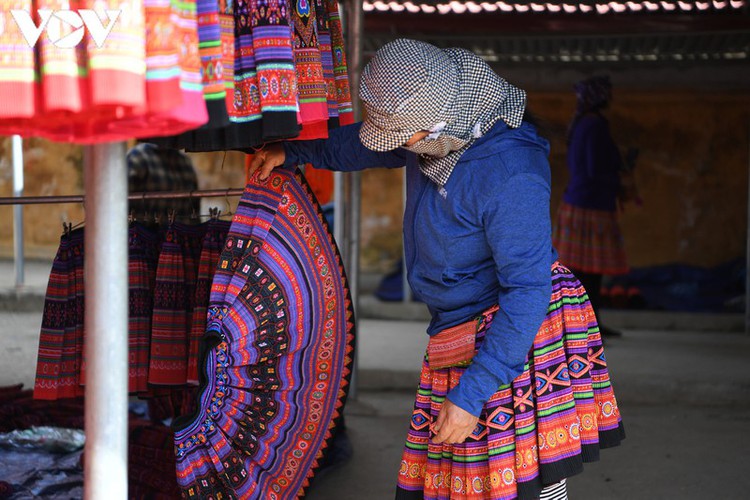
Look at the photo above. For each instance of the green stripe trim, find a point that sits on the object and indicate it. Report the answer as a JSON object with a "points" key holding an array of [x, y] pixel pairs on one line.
{"points": [[556, 409], [548, 348], [508, 448]]}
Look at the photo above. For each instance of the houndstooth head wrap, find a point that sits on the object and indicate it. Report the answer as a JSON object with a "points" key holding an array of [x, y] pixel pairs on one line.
{"points": [[410, 86]]}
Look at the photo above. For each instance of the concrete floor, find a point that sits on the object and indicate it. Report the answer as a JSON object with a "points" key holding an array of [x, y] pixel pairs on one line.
{"points": [[684, 396], [672, 452]]}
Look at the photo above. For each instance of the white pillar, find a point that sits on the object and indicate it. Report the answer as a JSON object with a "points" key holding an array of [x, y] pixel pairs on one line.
{"points": [[18, 258], [106, 322]]}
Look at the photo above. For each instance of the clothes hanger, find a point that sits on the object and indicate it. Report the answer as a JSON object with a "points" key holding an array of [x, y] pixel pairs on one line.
{"points": [[228, 212]]}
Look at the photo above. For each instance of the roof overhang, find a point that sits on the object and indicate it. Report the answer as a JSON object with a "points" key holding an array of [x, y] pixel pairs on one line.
{"points": [[561, 33]]}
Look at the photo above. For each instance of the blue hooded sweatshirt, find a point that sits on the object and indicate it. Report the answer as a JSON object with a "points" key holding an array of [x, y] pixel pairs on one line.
{"points": [[482, 239]]}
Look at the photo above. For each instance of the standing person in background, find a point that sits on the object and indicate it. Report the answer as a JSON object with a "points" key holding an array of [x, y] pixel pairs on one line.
{"points": [[514, 394], [587, 234]]}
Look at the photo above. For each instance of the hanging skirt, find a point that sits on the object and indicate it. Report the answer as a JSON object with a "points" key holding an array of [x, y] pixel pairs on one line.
{"points": [[213, 242], [55, 321], [143, 255], [531, 433], [174, 296], [589, 241], [61, 337], [276, 355]]}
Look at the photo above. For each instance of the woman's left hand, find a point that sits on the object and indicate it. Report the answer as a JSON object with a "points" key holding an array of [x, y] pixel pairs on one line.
{"points": [[454, 424]]}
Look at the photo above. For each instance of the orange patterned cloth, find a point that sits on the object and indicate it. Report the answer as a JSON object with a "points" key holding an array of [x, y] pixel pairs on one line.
{"points": [[589, 240], [112, 92], [534, 431]]}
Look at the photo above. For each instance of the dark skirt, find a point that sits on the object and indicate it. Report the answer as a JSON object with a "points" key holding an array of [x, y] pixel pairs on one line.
{"points": [[61, 336]]}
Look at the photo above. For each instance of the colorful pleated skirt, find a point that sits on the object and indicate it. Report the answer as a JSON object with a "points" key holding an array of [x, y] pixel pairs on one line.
{"points": [[143, 255], [174, 297], [533, 432], [61, 337], [589, 240], [213, 243], [276, 355]]}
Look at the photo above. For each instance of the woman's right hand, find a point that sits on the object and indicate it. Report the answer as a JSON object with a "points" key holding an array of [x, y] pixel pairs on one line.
{"points": [[266, 159]]}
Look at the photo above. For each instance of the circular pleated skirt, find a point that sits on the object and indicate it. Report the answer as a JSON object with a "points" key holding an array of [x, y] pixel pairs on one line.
{"points": [[277, 353], [533, 432]]}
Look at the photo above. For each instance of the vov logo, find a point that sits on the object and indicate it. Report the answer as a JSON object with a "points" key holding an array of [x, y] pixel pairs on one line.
{"points": [[54, 21]]}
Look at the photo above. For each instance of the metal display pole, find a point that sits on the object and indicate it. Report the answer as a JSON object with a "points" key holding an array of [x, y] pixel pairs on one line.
{"points": [[353, 26], [406, 298], [747, 245], [106, 322], [338, 212], [18, 257]]}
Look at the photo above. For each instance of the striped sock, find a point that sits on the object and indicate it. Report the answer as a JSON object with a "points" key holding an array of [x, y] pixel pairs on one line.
{"points": [[557, 491]]}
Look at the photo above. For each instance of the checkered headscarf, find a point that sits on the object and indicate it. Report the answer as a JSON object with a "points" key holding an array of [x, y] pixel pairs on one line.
{"points": [[410, 86]]}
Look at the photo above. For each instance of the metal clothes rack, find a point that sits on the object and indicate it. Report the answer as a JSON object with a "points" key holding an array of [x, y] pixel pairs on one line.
{"points": [[152, 195]]}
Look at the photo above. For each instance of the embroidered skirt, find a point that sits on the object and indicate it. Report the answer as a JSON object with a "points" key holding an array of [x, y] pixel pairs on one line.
{"points": [[276, 355], [531, 433], [589, 240], [61, 337], [174, 298]]}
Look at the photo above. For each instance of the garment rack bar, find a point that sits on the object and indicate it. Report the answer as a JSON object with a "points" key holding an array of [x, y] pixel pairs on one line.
{"points": [[152, 195]]}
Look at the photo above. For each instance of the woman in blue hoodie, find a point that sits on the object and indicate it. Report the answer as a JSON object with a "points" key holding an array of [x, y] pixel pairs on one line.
{"points": [[514, 394]]}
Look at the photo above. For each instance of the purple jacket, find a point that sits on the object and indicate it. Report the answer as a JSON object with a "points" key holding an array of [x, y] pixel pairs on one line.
{"points": [[594, 163]]}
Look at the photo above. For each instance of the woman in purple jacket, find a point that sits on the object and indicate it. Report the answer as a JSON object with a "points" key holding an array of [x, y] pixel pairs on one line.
{"points": [[514, 394], [587, 234]]}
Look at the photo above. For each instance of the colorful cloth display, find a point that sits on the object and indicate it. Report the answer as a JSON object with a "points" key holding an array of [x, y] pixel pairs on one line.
{"points": [[169, 275], [289, 75], [534, 432], [277, 353], [224, 74], [93, 93]]}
